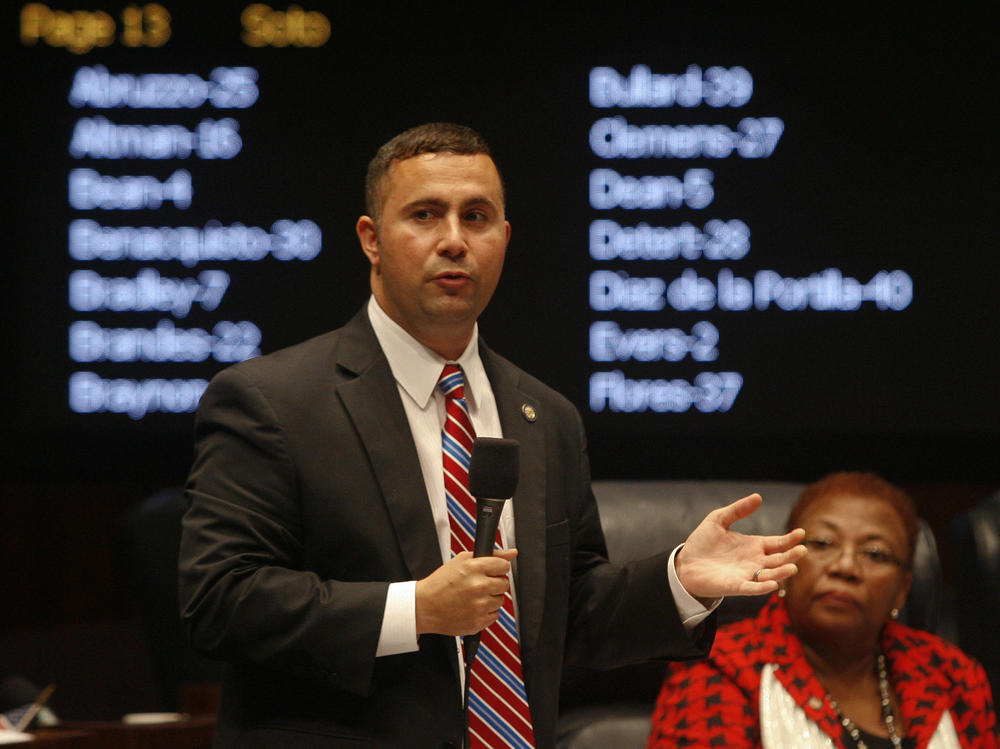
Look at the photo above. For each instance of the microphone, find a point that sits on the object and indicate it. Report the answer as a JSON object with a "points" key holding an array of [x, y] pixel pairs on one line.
{"points": [[493, 474]]}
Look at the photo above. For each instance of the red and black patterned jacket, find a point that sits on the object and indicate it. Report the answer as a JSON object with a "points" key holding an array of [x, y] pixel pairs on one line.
{"points": [[714, 703]]}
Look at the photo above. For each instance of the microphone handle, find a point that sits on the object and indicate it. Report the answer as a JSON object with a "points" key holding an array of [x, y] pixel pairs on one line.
{"points": [[471, 648], [487, 521]]}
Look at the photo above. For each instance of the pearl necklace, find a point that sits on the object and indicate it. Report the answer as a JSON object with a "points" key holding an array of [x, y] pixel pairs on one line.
{"points": [[887, 715]]}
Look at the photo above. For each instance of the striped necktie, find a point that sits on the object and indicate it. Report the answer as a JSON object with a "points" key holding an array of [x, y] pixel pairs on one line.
{"points": [[498, 705]]}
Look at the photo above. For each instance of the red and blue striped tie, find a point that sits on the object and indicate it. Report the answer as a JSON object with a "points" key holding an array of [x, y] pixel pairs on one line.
{"points": [[498, 706]]}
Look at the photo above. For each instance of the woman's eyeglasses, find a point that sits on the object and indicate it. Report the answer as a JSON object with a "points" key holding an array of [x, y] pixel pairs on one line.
{"points": [[871, 557]]}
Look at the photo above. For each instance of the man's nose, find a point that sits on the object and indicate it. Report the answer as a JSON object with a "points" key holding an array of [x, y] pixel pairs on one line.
{"points": [[452, 241]]}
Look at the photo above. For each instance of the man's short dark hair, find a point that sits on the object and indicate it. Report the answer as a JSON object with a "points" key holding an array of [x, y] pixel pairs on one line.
{"points": [[434, 137]]}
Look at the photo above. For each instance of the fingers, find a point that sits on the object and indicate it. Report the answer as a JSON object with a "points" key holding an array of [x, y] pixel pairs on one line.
{"points": [[780, 560], [789, 541], [507, 554], [737, 510], [464, 595], [498, 564], [773, 575], [487, 576], [759, 589], [782, 573], [786, 556]]}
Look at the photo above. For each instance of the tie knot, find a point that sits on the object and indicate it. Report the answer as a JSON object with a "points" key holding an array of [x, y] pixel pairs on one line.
{"points": [[452, 382]]}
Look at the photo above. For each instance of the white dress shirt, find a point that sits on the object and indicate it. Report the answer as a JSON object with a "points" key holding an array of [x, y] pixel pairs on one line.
{"points": [[417, 370]]}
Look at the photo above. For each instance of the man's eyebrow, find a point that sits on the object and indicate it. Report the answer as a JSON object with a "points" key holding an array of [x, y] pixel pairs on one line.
{"points": [[479, 200], [438, 203]]}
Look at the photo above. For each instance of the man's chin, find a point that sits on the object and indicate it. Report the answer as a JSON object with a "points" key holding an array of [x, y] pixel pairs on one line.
{"points": [[453, 309]]}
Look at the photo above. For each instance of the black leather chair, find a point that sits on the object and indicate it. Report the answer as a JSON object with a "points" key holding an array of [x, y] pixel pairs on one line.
{"points": [[600, 709], [975, 537], [612, 709], [152, 536]]}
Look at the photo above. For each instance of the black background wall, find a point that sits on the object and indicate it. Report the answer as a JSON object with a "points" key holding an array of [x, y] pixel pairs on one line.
{"points": [[884, 164]]}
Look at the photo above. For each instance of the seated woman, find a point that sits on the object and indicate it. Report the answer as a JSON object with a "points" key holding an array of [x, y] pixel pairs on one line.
{"points": [[824, 664]]}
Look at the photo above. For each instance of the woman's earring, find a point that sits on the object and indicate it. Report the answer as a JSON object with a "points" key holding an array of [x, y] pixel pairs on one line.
{"points": [[894, 613], [781, 592]]}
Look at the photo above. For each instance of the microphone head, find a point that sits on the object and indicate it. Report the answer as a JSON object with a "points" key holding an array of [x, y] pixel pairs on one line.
{"points": [[493, 468]]}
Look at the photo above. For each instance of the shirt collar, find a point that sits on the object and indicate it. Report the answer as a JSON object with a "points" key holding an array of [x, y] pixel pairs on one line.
{"points": [[417, 368]]}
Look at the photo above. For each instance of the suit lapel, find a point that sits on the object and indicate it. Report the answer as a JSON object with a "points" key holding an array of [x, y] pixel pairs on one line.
{"points": [[529, 499], [372, 401]]}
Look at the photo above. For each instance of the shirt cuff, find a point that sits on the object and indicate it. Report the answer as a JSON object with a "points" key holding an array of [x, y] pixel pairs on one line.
{"points": [[692, 611], [399, 623]]}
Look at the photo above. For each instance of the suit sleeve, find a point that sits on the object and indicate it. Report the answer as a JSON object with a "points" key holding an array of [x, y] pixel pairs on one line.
{"points": [[244, 594], [622, 614]]}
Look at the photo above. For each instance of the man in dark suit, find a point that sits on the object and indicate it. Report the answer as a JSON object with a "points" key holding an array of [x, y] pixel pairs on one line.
{"points": [[315, 553]]}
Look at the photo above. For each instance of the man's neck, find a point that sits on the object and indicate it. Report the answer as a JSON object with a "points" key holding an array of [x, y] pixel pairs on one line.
{"points": [[448, 343]]}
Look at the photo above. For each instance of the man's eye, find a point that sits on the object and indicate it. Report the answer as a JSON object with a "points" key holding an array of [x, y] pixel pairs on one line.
{"points": [[422, 215], [475, 216]]}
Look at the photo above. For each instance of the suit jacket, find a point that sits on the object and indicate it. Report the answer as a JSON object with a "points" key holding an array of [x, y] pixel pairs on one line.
{"points": [[717, 702], [306, 499]]}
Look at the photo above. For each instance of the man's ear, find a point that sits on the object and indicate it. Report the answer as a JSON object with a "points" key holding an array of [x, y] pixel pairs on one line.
{"points": [[368, 237]]}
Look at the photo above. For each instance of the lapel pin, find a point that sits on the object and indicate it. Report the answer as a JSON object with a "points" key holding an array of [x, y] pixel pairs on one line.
{"points": [[529, 412]]}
